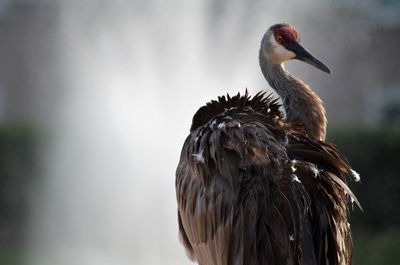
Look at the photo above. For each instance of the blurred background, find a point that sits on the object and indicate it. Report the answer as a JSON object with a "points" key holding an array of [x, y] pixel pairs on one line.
{"points": [[96, 99]]}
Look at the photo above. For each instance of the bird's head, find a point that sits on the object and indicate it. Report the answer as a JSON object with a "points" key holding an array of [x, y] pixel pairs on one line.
{"points": [[281, 43]]}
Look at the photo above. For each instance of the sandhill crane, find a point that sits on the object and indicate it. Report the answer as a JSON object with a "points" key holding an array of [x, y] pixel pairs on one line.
{"points": [[257, 187]]}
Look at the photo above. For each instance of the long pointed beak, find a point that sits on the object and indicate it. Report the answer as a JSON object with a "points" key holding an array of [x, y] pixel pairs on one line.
{"points": [[305, 56]]}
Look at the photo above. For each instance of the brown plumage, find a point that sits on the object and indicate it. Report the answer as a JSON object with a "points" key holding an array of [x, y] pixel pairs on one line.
{"points": [[254, 188]]}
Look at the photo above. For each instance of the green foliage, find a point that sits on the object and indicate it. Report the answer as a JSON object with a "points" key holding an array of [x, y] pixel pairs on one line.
{"points": [[375, 155], [18, 168], [13, 255], [377, 248]]}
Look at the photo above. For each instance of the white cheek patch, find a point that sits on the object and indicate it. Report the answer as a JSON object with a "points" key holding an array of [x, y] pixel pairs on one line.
{"points": [[280, 53]]}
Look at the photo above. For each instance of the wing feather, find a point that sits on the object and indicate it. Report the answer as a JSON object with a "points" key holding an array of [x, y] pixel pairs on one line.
{"points": [[253, 191], [238, 204]]}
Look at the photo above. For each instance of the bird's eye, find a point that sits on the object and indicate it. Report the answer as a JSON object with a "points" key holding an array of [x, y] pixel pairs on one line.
{"points": [[279, 38]]}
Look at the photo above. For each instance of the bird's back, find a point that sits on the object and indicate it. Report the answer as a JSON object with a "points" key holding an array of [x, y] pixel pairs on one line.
{"points": [[251, 190]]}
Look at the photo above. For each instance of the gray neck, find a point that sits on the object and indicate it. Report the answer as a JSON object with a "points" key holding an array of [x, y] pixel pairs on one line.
{"points": [[300, 102]]}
